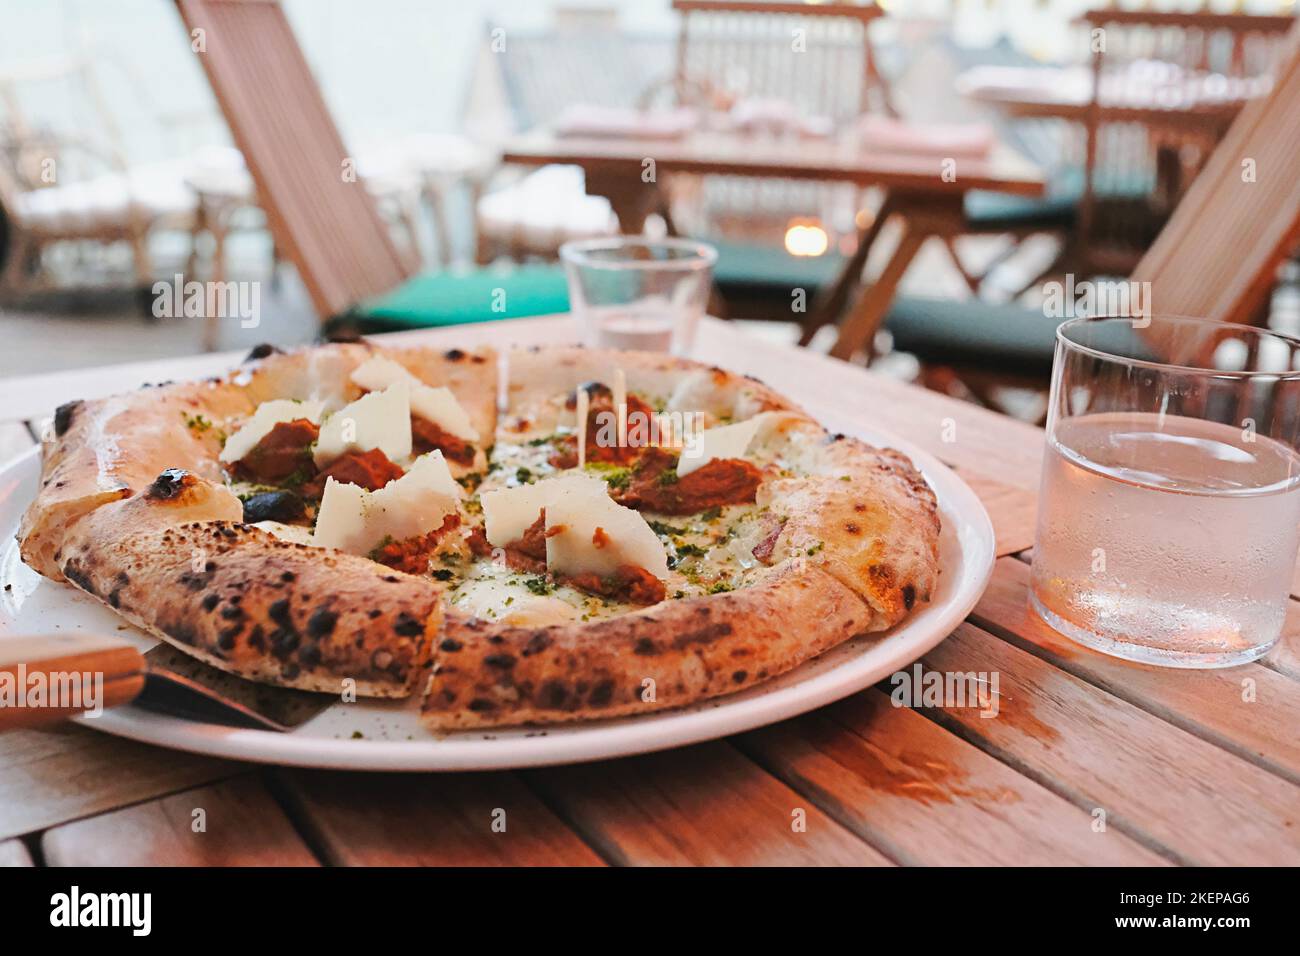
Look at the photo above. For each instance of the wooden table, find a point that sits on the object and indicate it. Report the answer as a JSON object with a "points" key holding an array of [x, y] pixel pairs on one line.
{"points": [[1090, 759], [924, 192]]}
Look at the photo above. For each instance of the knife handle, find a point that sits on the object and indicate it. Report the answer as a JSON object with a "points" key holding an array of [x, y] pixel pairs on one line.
{"points": [[48, 678]]}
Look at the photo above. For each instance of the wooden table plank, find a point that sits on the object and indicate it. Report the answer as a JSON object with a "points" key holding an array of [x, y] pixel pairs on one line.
{"points": [[1251, 710], [55, 775], [241, 826], [430, 820], [842, 158], [925, 796], [1179, 794], [702, 806], [1013, 511], [13, 853]]}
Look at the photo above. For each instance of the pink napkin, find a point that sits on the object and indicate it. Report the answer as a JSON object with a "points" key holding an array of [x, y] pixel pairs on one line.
{"points": [[776, 117], [583, 119], [942, 139]]}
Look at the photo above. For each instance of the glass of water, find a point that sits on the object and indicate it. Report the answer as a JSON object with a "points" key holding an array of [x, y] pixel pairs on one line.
{"points": [[629, 292], [1169, 509]]}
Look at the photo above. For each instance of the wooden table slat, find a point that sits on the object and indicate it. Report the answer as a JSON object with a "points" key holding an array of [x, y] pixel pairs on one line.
{"points": [[926, 796], [706, 805], [13, 853], [240, 825], [1012, 511], [1174, 791], [51, 776], [430, 820]]}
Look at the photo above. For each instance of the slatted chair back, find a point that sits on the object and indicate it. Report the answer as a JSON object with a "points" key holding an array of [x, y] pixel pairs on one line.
{"points": [[818, 57], [1219, 254], [318, 210], [1165, 87]]}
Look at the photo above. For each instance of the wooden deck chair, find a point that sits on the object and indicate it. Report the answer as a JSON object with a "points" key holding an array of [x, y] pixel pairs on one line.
{"points": [[1216, 257], [320, 214], [1139, 160], [1219, 253], [317, 209]]}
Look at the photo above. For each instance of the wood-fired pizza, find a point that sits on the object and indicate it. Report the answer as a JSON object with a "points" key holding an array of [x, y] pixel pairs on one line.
{"points": [[549, 535]]}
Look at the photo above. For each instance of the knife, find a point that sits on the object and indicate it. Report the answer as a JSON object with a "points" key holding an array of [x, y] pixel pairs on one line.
{"points": [[48, 678]]}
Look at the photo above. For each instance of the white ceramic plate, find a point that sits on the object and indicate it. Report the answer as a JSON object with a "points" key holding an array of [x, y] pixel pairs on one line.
{"points": [[390, 736]]}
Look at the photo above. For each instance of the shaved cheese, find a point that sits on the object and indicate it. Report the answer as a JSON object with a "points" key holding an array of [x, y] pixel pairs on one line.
{"points": [[437, 405], [267, 416], [509, 512], [576, 520], [726, 441], [355, 520], [377, 420]]}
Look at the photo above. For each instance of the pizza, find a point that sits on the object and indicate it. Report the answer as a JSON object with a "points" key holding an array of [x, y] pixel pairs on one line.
{"points": [[534, 537]]}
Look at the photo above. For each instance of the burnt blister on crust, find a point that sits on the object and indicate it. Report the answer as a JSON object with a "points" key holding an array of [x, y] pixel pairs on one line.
{"points": [[63, 416], [170, 484], [265, 350]]}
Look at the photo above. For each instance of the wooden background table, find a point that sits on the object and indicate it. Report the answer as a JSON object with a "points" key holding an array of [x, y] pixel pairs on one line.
{"points": [[1089, 759], [924, 192]]}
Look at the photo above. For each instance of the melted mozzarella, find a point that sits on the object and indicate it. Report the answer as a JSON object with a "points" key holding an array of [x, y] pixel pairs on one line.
{"points": [[437, 405], [377, 420], [267, 416], [355, 520], [506, 599]]}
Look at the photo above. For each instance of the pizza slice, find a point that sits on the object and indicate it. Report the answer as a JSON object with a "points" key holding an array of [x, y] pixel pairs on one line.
{"points": [[268, 522]]}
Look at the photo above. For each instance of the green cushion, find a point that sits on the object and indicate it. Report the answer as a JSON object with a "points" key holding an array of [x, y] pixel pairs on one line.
{"points": [[985, 335], [948, 332], [743, 264], [454, 298], [986, 210], [1058, 208]]}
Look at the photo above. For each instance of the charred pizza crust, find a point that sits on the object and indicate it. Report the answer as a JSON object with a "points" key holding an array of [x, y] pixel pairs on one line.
{"points": [[248, 603], [669, 655], [134, 510]]}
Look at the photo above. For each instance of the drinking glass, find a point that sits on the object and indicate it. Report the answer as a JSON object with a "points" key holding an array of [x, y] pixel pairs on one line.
{"points": [[628, 292], [1170, 496]]}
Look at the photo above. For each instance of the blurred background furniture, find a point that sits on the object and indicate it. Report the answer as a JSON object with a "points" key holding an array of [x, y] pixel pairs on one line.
{"points": [[1216, 257], [1140, 118], [70, 202], [783, 70], [727, 98], [317, 199]]}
